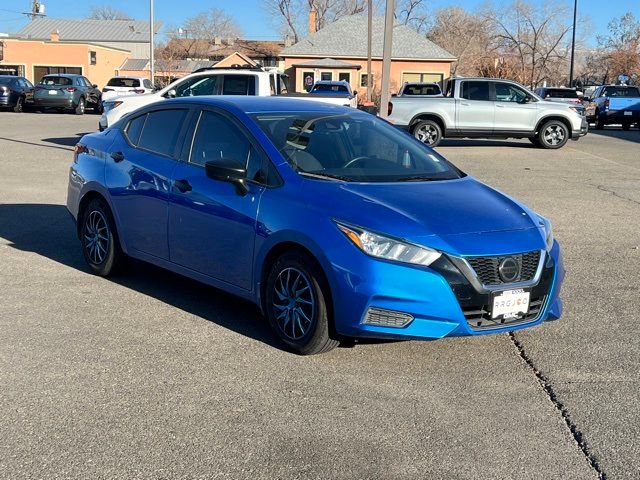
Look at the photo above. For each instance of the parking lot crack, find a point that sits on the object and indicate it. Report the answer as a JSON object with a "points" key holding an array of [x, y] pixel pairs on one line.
{"points": [[614, 193], [546, 385]]}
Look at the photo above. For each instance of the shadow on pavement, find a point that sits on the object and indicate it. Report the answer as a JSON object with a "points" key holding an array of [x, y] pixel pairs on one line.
{"points": [[632, 135], [48, 230], [66, 141]]}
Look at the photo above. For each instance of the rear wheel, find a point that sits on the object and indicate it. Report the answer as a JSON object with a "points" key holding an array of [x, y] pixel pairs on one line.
{"points": [[19, 107], [553, 134], [99, 239], [599, 123], [80, 108], [296, 304], [428, 132], [626, 126]]}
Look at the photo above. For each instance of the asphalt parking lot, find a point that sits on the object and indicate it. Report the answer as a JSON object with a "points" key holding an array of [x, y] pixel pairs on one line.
{"points": [[151, 375]]}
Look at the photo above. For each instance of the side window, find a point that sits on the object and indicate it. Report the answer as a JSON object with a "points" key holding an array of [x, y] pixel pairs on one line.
{"points": [[134, 128], [272, 84], [218, 140], [239, 85], [197, 86], [161, 131], [475, 91], [506, 92]]}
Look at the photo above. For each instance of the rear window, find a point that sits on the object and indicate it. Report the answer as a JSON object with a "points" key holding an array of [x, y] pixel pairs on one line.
{"points": [[621, 92], [560, 93], [331, 88], [239, 85], [56, 81], [421, 90], [123, 82], [161, 130]]}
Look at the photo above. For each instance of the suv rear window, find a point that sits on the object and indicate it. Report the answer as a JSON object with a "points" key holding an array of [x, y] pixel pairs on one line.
{"points": [[56, 81], [560, 93], [123, 82]]}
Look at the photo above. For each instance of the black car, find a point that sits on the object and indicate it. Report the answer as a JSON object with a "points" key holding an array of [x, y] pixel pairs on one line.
{"points": [[15, 92], [67, 92]]}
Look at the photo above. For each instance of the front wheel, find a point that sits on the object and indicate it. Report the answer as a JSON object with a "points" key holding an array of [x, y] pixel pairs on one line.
{"points": [[80, 108], [296, 305], [99, 239], [553, 134], [428, 132], [626, 126], [19, 107]]}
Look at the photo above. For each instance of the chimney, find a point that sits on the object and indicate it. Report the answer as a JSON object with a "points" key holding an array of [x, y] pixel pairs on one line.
{"points": [[55, 36], [217, 41], [313, 16]]}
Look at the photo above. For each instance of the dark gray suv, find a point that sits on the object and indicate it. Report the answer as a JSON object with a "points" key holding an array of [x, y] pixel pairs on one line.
{"points": [[66, 92]]}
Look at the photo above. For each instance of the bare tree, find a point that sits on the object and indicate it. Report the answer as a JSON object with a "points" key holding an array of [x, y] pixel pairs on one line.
{"points": [[107, 12], [620, 48]]}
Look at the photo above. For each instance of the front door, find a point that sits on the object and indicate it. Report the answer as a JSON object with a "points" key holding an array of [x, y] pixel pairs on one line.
{"points": [[211, 226], [514, 109], [475, 110]]}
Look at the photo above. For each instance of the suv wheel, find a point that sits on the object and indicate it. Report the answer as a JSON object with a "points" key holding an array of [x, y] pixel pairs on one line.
{"points": [[80, 108], [19, 107], [296, 305], [553, 134], [428, 132], [99, 239]]}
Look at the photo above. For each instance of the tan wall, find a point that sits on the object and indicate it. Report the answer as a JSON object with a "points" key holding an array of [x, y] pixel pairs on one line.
{"points": [[398, 67], [30, 53]]}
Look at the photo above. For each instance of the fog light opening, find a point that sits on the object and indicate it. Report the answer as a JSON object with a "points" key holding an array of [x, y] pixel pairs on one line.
{"points": [[381, 317]]}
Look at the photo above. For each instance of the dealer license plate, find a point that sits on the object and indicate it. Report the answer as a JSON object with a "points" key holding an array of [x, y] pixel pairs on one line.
{"points": [[510, 303], [53, 92], [628, 113]]}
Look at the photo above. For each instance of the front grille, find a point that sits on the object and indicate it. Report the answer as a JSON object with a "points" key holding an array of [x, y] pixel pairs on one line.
{"points": [[486, 268], [479, 317]]}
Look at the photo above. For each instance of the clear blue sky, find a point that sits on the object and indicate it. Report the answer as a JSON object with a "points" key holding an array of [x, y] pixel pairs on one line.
{"points": [[253, 19]]}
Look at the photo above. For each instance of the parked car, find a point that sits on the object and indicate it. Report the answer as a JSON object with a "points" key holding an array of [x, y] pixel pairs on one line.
{"points": [[619, 104], [420, 89], [488, 108], [121, 86], [335, 223], [562, 95], [252, 81], [338, 92], [67, 92], [15, 92]]}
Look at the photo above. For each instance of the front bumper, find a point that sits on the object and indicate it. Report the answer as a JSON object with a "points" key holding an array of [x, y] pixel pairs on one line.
{"points": [[437, 298], [584, 129]]}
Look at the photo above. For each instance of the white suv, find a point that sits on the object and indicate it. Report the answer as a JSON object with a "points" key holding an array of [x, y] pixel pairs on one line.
{"points": [[207, 81], [125, 86]]}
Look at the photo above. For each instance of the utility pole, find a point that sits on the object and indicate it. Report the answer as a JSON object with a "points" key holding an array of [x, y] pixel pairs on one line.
{"points": [[386, 58], [151, 43], [369, 30], [573, 42]]}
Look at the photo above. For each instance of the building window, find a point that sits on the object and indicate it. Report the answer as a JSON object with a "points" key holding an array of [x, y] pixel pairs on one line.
{"points": [[363, 80], [344, 77], [307, 80], [92, 57], [422, 77], [41, 71], [326, 76]]}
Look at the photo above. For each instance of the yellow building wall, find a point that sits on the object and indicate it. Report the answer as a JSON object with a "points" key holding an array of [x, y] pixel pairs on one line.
{"points": [[31, 53]]}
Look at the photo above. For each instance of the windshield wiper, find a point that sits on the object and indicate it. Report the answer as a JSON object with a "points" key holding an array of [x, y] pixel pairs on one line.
{"points": [[417, 178], [324, 175]]}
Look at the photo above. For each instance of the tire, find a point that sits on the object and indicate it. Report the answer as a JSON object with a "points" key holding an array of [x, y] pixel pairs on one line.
{"points": [[553, 134], [19, 106], [98, 109], [296, 305], [428, 132], [626, 126], [99, 239], [79, 110], [599, 124]]}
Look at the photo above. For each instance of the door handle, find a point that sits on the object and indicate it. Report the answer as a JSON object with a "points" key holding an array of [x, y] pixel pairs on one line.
{"points": [[499, 106], [464, 103], [182, 185], [117, 156]]}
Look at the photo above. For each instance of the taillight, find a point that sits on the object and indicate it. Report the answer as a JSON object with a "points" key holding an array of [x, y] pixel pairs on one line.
{"points": [[389, 108], [79, 148], [71, 89], [606, 103], [4, 91]]}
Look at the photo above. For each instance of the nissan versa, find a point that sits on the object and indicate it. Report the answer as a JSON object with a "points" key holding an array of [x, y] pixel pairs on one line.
{"points": [[335, 223]]}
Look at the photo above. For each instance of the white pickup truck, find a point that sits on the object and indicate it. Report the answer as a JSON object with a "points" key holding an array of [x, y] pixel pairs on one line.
{"points": [[488, 108]]}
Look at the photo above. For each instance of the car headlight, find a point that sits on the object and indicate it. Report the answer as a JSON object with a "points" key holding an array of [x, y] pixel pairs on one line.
{"points": [[576, 110], [545, 225], [379, 246], [107, 106]]}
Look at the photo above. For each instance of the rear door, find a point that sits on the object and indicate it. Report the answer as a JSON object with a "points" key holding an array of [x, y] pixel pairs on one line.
{"points": [[513, 111], [138, 175], [474, 108]]}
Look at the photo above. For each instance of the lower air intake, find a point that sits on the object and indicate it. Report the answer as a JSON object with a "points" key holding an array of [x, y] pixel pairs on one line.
{"points": [[387, 318]]}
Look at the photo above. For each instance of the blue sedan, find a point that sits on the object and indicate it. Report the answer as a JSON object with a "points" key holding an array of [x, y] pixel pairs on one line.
{"points": [[336, 224]]}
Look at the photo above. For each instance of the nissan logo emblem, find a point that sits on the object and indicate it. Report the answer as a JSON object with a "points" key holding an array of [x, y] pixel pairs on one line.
{"points": [[509, 269]]}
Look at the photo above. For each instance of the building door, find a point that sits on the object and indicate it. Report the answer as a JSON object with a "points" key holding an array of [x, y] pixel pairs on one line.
{"points": [[40, 71], [308, 78]]}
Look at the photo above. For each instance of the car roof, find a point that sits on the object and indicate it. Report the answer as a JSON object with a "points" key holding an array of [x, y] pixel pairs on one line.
{"points": [[331, 82], [254, 104], [67, 75], [10, 76]]}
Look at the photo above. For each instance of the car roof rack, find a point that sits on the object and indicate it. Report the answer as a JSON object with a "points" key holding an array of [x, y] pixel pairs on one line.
{"points": [[235, 66]]}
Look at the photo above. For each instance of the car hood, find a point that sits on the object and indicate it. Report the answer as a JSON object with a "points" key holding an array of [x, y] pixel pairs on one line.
{"points": [[415, 210]]}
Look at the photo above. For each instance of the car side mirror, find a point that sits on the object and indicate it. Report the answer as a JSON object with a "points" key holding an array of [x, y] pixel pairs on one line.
{"points": [[355, 92], [94, 85], [229, 171], [527, 99], [171, 93], [586, 99]]}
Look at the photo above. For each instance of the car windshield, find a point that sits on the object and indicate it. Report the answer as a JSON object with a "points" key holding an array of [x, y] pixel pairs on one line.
{"points": [[56, 81], [330, 88], [354, 147], [621, 92], [560, 93], [123, 82]]}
